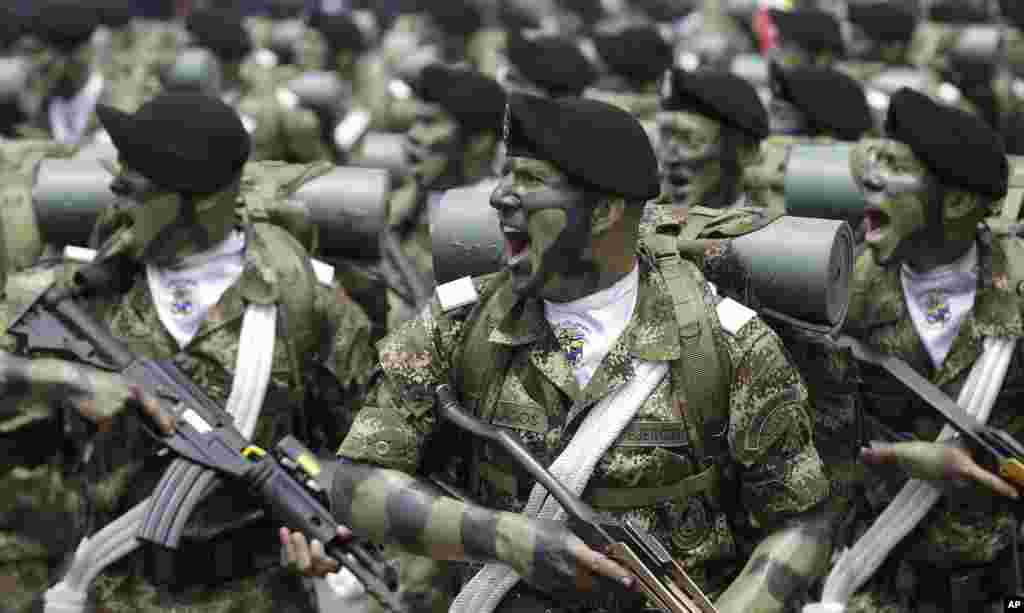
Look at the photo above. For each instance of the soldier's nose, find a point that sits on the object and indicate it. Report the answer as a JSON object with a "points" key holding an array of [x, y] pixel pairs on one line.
{"points": [[505, 201]]}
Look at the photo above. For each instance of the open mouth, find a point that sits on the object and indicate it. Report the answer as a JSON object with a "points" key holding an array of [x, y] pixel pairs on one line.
{"points": [[875, 222], [517, 244]]}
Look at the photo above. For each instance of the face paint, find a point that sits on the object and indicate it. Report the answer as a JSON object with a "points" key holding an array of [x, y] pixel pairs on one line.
{"points": [[786, 118], [63, 75], [892, 181], [430, 144], [691, 156], [546, 224]]}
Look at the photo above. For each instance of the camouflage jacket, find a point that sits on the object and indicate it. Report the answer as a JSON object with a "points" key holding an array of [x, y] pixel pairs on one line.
{"points": [[652, 472], [964, 529]]}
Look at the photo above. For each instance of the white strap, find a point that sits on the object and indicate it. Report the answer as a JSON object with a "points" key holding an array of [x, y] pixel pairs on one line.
{"points": [[573, 467], [117, 540], [857, 564]]}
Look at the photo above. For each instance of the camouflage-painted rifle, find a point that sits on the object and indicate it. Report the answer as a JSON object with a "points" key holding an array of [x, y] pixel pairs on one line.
{"points": [[208, 445], [663, 580]]}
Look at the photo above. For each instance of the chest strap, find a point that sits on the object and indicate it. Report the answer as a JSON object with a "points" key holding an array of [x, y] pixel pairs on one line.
{"points": [[701, 370]]}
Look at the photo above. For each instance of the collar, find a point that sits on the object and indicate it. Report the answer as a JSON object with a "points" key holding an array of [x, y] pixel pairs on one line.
{"points": [[652, 334]]}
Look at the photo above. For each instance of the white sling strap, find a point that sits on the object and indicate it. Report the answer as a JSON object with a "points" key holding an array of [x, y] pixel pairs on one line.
{"points": [[115, 541], [857, 564], [573, 467]]}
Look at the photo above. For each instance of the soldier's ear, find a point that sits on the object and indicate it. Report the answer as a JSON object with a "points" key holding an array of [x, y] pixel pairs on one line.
{"points": [[960, 205], [608, 213]]}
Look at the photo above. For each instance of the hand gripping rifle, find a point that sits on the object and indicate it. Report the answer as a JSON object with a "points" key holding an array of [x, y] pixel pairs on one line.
{"points": [[663, 581], [1004, 449], [208, 445]]}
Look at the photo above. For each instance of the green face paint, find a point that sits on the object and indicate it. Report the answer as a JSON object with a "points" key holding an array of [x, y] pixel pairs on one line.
{"points": [[691, 157], [892, 181], [430, 143], [546, 224]]}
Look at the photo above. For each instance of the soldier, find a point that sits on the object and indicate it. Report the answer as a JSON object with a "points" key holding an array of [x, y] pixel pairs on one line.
{"points": [[69, 85], [933, 291], [710, 128], [881, 37], [200, 269], [281, 129], [571, 326]]}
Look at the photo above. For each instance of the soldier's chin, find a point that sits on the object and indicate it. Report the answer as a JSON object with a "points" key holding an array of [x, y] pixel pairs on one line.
{"points": [[521, 274]]}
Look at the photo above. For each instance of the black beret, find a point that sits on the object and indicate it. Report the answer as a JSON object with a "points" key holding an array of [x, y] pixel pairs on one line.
{"points": [[474, 100], [957, 11], [65, 24], [811, 29], [638, 53], [957, 147], [577, 135], [554, 63], [884, 22], [515, 15], [340, 32], [718, 95], [12, 26], [222, 32], [454, 17], [186, 142], [1013, 11], [115, 13], [832, 101]]}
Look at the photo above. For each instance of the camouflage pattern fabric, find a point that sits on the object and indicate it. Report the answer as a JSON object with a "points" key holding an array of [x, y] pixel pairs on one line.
{"points": [[275, 271], [537, 398], [18, 161], [966, 538]]}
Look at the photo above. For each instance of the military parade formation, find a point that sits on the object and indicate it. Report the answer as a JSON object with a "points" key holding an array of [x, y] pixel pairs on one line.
{"points": [[514, 306]]}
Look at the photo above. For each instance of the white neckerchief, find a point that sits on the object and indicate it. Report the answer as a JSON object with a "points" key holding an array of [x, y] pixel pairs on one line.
{"points": [[939, 300], [587, 328], [183, 295], [70, 118]]}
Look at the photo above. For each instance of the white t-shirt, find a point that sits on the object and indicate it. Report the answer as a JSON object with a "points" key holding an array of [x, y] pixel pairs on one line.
{"points": [[938, 301], [184, 294], [588, 328]]}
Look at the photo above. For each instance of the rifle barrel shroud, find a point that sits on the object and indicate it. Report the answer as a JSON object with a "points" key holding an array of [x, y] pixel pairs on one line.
{"points": [[208, 445], [663, 581]]}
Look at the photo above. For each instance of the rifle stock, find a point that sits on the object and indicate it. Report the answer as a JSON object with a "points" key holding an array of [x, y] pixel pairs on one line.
{"points": [[662, 580]]}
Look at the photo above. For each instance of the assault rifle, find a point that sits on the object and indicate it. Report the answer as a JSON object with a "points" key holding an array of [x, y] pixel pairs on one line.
{"points": [[663, 581], [208, 445]]}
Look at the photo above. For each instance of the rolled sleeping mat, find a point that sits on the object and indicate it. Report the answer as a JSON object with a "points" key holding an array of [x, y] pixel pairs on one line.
{"points": [[465, 234], [979, 45], [799, 270], [382, 150], [195, 69], [349, 207], [68, 196], [819, 182], [320, 89]]}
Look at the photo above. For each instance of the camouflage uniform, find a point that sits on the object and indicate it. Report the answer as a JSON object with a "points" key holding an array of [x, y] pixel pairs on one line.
{"points": [[319, 326], [509, 367], [960, 552]]}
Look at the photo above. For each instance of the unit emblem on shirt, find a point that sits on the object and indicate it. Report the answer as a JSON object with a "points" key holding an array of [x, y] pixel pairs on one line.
{"points": [[572, 340], [936, 307]]}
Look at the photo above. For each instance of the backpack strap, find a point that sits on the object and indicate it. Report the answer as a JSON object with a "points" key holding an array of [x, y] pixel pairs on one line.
{"points": [[703, 369]]}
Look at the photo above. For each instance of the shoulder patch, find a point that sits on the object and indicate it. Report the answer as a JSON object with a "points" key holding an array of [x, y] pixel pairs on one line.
{"points": [[457, 293], [734, 315]]}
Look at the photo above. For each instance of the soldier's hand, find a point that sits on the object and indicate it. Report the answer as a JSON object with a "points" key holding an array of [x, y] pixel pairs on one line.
{"points": [[936, 462], [306, 558], [97, 395], [558, 562]]}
